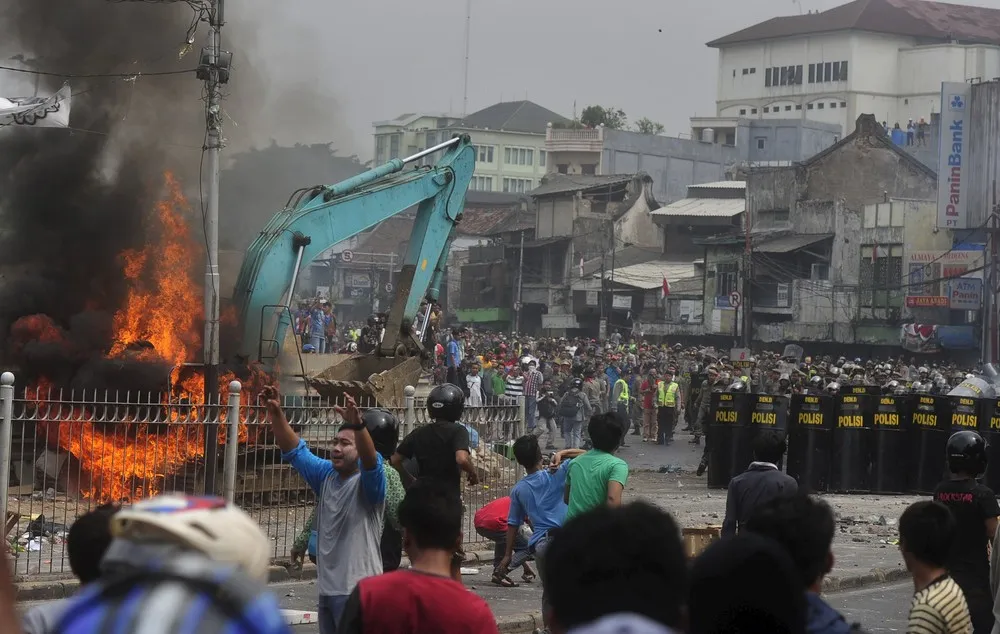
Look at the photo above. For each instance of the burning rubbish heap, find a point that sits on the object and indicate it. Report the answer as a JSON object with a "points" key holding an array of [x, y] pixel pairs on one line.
{"points": [[134, 360]]}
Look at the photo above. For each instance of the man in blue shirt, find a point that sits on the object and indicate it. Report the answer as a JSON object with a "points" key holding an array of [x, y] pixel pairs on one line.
{"points": [[351, 503], [453, 357], [317, 329], [539, 496]]}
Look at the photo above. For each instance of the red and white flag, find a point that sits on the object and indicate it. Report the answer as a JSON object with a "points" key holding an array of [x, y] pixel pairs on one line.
{"points": [[666, 288], [581, 266]]}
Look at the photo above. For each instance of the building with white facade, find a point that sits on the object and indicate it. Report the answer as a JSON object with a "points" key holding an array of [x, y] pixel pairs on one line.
{"points": [[883, 57]]}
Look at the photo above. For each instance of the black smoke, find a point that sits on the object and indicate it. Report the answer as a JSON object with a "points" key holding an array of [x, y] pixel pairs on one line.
{"points": [[72, 201]]}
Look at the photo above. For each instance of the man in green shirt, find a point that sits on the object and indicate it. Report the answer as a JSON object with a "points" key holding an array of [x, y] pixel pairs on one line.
{"points": [[597, 478]]}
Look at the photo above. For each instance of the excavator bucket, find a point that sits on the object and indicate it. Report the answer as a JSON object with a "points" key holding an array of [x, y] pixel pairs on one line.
{"points": [[371, 380]]}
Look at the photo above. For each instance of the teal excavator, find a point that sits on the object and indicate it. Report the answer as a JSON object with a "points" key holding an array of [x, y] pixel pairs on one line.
{"points": [[317, 218]]}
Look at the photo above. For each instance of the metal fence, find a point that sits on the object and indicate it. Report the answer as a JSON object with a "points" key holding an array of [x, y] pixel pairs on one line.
{"points": [[63, 453]]}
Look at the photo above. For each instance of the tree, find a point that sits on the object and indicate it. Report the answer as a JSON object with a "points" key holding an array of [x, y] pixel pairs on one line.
{"points": [[648, 126], [610, 117]]}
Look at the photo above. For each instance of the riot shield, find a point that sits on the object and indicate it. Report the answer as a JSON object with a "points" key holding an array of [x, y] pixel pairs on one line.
{"points": [[992, 436], [851, 461], [890, 445], [728, 415], [930, 426], [766, 412], [811, 422]]}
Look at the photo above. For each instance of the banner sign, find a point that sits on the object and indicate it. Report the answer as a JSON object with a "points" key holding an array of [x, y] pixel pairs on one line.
{"points": [[953, 156], [39, 112]]}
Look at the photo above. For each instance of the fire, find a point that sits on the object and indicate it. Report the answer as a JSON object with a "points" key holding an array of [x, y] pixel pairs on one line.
{"points": [[160, 321]]}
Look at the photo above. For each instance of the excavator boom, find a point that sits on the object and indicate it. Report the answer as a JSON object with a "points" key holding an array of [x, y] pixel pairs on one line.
{"points": [[324, 216]]}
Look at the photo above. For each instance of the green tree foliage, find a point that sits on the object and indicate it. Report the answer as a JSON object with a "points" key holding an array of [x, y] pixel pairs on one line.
{"points": [[648, 126], [609, 117]]}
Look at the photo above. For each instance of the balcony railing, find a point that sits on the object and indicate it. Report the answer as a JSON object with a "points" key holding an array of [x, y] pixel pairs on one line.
{"points": [[772, 295], [574, 140]]}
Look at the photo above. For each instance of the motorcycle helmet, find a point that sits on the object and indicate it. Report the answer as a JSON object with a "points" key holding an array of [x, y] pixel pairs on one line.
{"points": [[446, 402], [384, 430], [966, 453], [577, 383]]}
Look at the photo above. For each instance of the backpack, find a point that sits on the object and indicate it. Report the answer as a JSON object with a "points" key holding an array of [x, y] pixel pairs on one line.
{"points": [[241, 605], [570, 406]]}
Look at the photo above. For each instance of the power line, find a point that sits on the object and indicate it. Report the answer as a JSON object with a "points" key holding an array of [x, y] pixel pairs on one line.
{"points": [[128, 76]]}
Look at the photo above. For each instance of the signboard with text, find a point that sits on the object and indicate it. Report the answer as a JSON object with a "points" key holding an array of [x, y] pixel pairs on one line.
{"points": [[930, 274], [359, 280], [622, 302], [965, 294], [926, 301], [953, 156]]}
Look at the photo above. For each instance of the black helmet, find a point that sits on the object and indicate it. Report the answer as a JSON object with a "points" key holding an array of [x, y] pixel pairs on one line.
{"points": [[816, 381], [384, 430], [446, 402], [577, 383], [967, 453], [738, 386]]}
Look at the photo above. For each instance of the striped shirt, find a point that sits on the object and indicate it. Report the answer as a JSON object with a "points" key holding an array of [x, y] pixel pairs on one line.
{"points": [[515, 386], [940, 608]]}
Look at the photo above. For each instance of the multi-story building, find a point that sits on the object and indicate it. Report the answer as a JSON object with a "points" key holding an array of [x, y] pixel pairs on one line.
{"points": [[675, 163], [409, 133], [510, 145], [885, 57], [509, 138]]}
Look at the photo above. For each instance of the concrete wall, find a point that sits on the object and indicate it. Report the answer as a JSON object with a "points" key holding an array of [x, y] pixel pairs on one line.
{"points": [[785, 139], [672, 163]]}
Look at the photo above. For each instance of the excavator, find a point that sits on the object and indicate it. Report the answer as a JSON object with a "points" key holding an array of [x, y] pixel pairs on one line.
{"points": [[317, 218]]}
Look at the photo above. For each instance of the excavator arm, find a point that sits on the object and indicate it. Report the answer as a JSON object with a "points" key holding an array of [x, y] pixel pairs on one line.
{"points": [[327, 215]]}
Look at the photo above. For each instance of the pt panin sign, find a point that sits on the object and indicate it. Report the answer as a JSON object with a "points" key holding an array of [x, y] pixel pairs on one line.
{"points": [[953, 158]]}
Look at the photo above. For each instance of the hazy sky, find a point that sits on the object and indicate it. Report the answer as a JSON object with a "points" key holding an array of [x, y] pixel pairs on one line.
{"points": [[376, 60]]}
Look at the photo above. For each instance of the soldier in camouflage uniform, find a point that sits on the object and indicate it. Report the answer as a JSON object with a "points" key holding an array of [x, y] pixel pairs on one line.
{"points": [[701, 422]]}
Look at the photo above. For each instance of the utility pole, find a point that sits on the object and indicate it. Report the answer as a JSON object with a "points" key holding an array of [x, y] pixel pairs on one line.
{"points": [[747, 334], [520, 279], [465, 68], [213, 69]]}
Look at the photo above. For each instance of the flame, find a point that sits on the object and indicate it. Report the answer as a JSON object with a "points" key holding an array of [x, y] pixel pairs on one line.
{"points": [[128, 459]]}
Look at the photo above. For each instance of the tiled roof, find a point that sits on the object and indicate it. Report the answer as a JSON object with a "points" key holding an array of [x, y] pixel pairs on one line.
{"points": [[938, 21], [488, 222], [512, 116], [563, 183]]}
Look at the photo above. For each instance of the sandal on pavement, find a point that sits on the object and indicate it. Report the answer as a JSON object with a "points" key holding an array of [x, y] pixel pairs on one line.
{"points": [[528, 577], [503, 581]]}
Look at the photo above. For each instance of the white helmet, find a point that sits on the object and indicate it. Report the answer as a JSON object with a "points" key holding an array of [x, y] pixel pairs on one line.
{"points": [[221, 531]]}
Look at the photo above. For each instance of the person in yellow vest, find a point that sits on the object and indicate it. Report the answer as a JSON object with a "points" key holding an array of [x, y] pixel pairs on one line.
{"points": [[667, 399], [620, 399]]}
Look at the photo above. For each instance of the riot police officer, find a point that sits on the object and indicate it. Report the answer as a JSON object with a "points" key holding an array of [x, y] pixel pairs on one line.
{"points": [[975, 509]]}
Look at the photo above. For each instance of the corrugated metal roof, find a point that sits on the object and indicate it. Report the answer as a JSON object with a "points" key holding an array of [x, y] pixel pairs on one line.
{"points": [[720, 185], [649, 275], [704, 207], [786, 244]]}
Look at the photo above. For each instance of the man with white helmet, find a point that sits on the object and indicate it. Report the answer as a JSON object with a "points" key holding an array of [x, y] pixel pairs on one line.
{"points": [[188, 564]]}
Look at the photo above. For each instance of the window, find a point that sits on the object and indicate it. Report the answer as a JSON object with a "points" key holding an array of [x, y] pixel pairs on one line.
{"points": [[843, 71], [772, 217], [743, 111], [506, 155], [766, 109], [442, 123], [482, 183], [836, 71], [562, 168], [812, 73], [767, 76], [394, 146], [588, 169], [809, 107], [518, 156], [833, 104], [761, 143], [827, 71], [843, 104], [541, 158], [784, 75], [798, 106], [798, 74], [726, 279], [517, 185], [819, 271], [380, 148], [753, 71], [883, 215], [485, 153], [432, 139], [753, 111], [820, 105], [746, 71], [881, 276], [787, 108]]}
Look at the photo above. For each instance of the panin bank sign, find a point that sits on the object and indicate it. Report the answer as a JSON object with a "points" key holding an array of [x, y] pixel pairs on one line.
{"points": [[953, 159]]}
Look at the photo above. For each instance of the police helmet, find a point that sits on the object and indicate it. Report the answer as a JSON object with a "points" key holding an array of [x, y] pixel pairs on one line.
{"points": [[890, 387], [384, 430], [967, 453], [738, 386], [577, 383], [446, 402], [833, 388], [816, 381]]}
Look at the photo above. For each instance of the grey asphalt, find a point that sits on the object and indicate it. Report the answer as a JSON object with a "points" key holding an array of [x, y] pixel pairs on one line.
{"points": [[878, 608]]}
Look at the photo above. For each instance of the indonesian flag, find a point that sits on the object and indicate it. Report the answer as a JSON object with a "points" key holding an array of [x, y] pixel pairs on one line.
{"points": [[581, 266], [666, 288]]}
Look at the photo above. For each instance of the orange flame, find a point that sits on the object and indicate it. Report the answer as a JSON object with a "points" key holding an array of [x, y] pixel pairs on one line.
{"points": [[129, 460]]}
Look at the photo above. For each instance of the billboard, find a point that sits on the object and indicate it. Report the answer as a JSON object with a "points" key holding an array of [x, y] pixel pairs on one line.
{"points": [[943, 279], [953, 156]]}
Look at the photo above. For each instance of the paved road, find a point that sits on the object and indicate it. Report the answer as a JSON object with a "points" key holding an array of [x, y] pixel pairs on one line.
{"points": [[879, 608]]}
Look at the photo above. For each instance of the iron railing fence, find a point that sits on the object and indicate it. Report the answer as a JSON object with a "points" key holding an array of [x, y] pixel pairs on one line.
{"points": [[63, 453]]}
